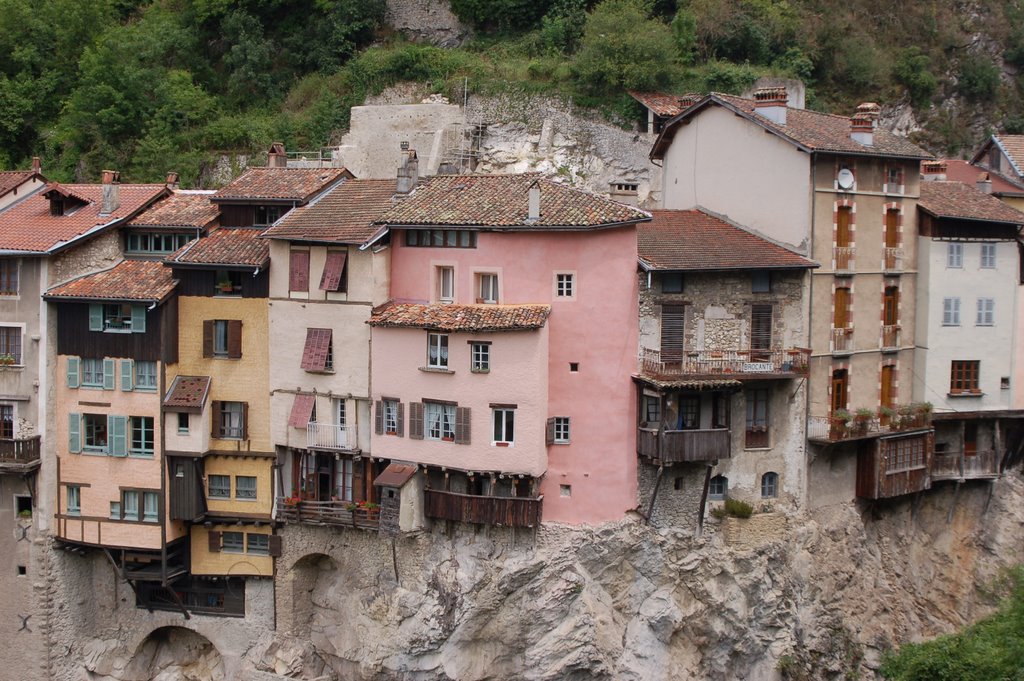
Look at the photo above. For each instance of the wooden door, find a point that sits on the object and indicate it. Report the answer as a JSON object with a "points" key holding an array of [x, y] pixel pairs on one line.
{"points": [[840, 382], [892, 228], [841, 311], [970, 439], [888, 385], [890, 311], [843, 235]]}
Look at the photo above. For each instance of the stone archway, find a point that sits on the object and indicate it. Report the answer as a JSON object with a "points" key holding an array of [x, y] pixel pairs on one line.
{"points": [[175, 654]]}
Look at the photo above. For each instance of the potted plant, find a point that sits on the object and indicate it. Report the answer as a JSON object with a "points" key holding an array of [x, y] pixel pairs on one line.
{"points": [[923, 410], [905, 417], [838, 423], [886, 415], [7, 359], [225, 286], [862, 421]]}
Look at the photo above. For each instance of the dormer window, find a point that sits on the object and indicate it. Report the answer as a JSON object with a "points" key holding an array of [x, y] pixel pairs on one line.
{"points": [[268, 215], [57, 206], [61, 201]]}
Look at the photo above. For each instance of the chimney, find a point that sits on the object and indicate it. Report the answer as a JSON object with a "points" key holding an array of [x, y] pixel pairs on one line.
{"points": [[111, 192], [863, 122], [172, 181], [625, 192], [409, 171], [37, 166], [277, 157], [933, 171], [533, 203], [770, 103], [984, 183]]}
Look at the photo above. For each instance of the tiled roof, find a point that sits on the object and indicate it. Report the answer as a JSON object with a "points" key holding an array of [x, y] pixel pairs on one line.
{"points": [[1013, 145], [345, 214], [812, 130], [127, 280], [965, 202], [501, 201], [11, 179], [290, 184], [29, 226], [454, 318], [696, 240], [963, 171], [663, 104], [224, 247], [180, 209], [395, 475], [187, 392], [692, 383]]}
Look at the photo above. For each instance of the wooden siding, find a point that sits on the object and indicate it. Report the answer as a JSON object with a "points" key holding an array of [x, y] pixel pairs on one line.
{"points": [[471, 508], [875, 481], [187, 498], [237, 215], [683, 446], [203, 283], [332, 513], [957, 466], [75, 338]]}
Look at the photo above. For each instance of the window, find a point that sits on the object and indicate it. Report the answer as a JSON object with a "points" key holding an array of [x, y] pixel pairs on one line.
{"points": [[761, 282], [841, 308], [718, 487], [10, 344], [893, 179], [892, 228], [840, 389], [988, 256], [437, 350], [769, 485], [92, 372], [258, 544], [504, 426], [231, 420], [440, 238], [760, 333], [117, 317], [673, 326], [148, 243], [142, 436], [565, 490], [757, 419], [219, 486], [561, 430], [440, 421], [480, 354], [115, 510], [951, 312], [334, 277], [182, 423], [7, 421], [150, 507], [268, 215], [95, 427], [233, 542], [986, 312], [488, 288], [954, 255], [245, 487], [8, 277], [145, 375], [964, 377], [446, 284], [689, 412], [844, 232], [298, 271], [222, 338], [564, 285], [229, 283], [130, 505], [672, 282], [318, 352], [890, 306], [390, 416], [903, 454], [652, 410], [74, 499]]}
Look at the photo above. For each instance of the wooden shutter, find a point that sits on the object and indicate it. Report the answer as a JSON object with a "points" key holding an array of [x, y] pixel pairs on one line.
{"points": [[234, 339], [334, 268], [760, 327], [462, 427], [245, 420], [890, 312], [95, 317], [400, 419], [274, 545], [298, 272], [416, 420], [117, 435], [208, 338], [214, 541], [888, 385], [672, 332], [549, 431], [215, 416], [841, 315], [74, 433], [74, 372], [138, 319], [108, 374], [843, 226], [127, 375], [892, 228], [378, 421]]}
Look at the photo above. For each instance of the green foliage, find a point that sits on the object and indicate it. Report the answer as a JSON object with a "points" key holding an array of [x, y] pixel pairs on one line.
{"points": [[623, 49], [738, 509], [500, 15], [860, 64], [754, 31], [684, 29], [978, 78], [723, 76], [562, 27], [912, 70]]}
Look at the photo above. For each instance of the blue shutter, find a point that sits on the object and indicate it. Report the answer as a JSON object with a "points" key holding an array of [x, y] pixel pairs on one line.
{"points": [[108, 374], [117, 436], [74, 372], [138, 319], [74, 433], [95, 317], [127, 375]]}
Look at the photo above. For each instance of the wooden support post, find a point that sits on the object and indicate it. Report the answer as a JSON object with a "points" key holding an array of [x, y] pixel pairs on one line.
{"points": [[988, 499], [181, 605], [120, 573], [654, 495], [703, 502], [952, 505], [915, 507]]}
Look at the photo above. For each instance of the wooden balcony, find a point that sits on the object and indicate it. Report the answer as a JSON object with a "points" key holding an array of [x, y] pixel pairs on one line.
{"points": [[826, 429], [895, 465], [472, 508], [893, 261], [328, 513], [331, 436], [683, 446], [842, 340], [982, 465], [750, 364], [843, 257], [19, 455], [890, 338]]}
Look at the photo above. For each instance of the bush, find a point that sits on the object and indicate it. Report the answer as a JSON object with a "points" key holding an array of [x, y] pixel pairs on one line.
{"points": [[722, 76], [738, 509], [500, 15], [978, 78], [562, 27], [911, 71]]}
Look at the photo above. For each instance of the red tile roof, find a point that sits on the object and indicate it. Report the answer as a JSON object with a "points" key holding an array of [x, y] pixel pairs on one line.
{"points": [[454, 318], [188, 392], [146, 280], [224, 246], [284, 184], [698, 241], [962, 171], [500, 202], [12, 179], [180, 209], [1013, 145], [29, 226], [395, 475], [811, 130], [663, 104], [344, 214], [965, 202]]}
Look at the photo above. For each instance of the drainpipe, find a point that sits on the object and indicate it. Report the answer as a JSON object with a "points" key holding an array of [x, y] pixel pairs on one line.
{"points": [[810, 337]]}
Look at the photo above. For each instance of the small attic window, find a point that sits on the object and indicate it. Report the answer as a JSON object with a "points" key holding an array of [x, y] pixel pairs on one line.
{"points": [[625, 186], [57, 206]]}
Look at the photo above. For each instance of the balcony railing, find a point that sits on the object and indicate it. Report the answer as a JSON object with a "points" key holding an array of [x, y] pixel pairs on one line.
{"points": [[703, 362], [843, 256], [19, 450], [473, 508], [333, 513], [833, 429], [842, 340], [330, 436], [893, 260], [960, 466], [890, 337], [683, 446]]}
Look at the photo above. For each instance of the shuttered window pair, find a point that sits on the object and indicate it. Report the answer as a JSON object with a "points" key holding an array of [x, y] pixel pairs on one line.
{"points": [[98, 434], [222, 338], [389, 417], [244, 542], [117, 317], [439, 421]]}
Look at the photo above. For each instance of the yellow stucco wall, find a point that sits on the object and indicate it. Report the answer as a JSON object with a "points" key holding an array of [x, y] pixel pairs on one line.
{"points": [[227, 563], [260, 468]]}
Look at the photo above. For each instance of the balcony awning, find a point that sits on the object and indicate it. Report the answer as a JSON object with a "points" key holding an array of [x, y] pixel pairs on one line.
{"points": [[730, 384], [302, 411]]}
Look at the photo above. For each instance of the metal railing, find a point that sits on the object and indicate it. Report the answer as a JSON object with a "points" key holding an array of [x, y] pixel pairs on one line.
{"points": [[702, 362], [893, 260], [842, 339], [844, 258], [330, 436], [890, 336], [836, 429]]}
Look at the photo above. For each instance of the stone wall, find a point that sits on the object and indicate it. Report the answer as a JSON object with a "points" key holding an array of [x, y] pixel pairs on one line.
{"points": [[426, 21], [677, 504]]}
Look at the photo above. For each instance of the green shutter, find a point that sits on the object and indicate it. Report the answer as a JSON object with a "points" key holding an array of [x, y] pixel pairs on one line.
{"points": [[74, 433], [117, 436], [127, 374], [74, 372], [95, 317], [138, 319], [108, 374]]}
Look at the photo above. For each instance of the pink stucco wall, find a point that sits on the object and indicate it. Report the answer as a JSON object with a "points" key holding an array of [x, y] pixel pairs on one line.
{"points": [[597, 329]]}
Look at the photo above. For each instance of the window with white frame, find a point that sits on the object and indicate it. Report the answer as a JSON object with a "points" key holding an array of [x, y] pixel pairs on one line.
{"points": [[344, 479], [145, 375], [440, 421], [74, 493], [92, 372], [565, 285], [561, 430], [480, 356], [219, 486], [446, 284], [390, 416], [183, 423], [130, 505], [220, 338], [117, 317], [954, 255], [769, 485], [142, 436], [504, 425], [95, 427], [150, 507], [951, 312], [988, 256], [231, 420], [718, 487], [487, 287], [437, 350], [245, 487], [986, 312]]}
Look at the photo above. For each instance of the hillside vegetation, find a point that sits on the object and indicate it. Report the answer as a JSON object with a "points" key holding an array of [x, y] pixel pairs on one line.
{"points": [[152, 86]]}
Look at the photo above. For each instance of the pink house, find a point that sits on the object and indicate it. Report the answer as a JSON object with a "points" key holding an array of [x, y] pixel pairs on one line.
{"points": [[501, 365]]}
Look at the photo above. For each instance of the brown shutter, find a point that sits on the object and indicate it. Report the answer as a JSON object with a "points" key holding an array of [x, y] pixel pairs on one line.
{"points": [[378, 420], [298, 278], [333, 269], [245, 420], [234, 339], [358, 480], [672, 333], [416, 420], [275, 546], [462, 429], [314, 353], [843, 236], [215, 415], [214, 538], [208, 338], [760, 327], [400, 420], [840, 316], [549, 431]]}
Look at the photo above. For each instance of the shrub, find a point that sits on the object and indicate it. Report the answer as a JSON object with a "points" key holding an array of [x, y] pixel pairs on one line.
{"points": [[738, 509], [722, 76], [978, 78], [500, 15], [562, 27], [911, 71]]}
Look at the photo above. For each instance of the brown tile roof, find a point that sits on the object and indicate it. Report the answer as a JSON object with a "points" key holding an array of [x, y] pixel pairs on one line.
{"points": [[285, 184], [663, 104], [812, 130], [180, 209], [1013, 145], [28, 225], [187, 392], [224, 247], [146, 280], [500, 202], [965, 202], [395, 475], [696, 240], [12, 179], [962, 171], [455, 318], [344, 214]]}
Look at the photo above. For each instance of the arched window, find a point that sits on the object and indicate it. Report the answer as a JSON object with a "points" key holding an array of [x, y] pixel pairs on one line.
{"points": [[718, 487], [769, 485]]}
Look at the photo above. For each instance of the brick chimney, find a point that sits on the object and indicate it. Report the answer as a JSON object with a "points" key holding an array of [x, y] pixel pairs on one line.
{"points": [[111, 192], [409, 171], [172, 181], [933, 171], [862, 123], [770, 102], [984, 183], [277, 157], [37, 165]]}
